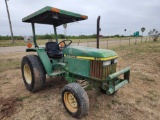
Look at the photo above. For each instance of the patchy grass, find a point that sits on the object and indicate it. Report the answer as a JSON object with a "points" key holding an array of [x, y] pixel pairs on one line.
{"points": [[11, 61], [7, 43], [5, 65], [22, 98]]}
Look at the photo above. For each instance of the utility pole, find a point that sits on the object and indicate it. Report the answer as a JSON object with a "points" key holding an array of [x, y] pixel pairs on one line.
{"points": [[9, 21]]}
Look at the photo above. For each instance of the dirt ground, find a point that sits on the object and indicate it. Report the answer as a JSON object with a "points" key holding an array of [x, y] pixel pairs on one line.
{"points": [[138, 100]]}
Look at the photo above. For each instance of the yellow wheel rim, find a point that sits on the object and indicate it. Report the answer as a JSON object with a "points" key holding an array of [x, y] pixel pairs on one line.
{"points": [[70, 102], [27, 73]]}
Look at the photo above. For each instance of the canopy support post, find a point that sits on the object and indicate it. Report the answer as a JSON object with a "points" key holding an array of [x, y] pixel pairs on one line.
{"points": [[55, 33], [34, 35]]}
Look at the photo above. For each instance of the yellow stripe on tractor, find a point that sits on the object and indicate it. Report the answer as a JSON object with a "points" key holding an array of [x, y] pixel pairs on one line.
{"points": [[93, 58]]}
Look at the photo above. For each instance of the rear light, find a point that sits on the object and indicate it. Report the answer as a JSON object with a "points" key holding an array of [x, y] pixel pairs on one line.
{"points": [[61, 45], [29, 45]]}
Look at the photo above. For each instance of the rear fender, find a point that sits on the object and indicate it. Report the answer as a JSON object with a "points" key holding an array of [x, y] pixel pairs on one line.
{"points": [[44, 59]]}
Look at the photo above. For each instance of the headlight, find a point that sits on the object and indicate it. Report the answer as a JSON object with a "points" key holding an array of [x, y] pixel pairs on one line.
{"points": [[116, 60], [106, 63]]}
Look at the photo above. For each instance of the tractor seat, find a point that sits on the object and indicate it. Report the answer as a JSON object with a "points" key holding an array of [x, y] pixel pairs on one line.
{"points": [[53, 51]]}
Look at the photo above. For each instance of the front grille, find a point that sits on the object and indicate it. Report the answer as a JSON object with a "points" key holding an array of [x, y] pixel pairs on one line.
{"points": [[98, 71]]}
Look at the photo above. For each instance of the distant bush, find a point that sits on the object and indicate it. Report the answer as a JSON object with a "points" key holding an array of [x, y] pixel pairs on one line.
{"points": [[154, 34], [9, 37]]}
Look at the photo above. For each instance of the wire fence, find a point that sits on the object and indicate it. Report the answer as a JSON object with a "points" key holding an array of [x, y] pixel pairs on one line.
{"points": [[108, 43]]}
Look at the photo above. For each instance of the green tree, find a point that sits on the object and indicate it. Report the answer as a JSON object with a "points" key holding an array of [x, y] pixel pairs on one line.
{"points": [[47, 36], [61, 36]]}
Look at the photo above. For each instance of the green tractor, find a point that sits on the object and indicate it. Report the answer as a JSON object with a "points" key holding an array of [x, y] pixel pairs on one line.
{"points": [[77, 64]]}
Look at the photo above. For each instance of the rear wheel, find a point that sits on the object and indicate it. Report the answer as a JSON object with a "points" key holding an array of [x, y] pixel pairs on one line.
{"points": [[33, 73], [75, 100]]}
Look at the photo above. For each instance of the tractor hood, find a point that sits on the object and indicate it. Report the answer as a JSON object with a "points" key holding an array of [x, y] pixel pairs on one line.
{"points": [[89, 52]]}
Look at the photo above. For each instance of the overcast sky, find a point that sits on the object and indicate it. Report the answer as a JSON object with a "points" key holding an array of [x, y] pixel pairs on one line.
{"points": [[116, 15]]}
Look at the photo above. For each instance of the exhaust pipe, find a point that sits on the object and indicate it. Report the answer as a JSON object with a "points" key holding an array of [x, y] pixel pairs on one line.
{"points": [[98, 29]]}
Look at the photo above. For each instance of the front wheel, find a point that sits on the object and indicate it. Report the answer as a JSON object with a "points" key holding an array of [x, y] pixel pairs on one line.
{"points": [[75, 100]]}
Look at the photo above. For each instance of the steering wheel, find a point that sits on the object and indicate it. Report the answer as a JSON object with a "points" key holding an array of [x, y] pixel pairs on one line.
{"points": [[63, 43]]}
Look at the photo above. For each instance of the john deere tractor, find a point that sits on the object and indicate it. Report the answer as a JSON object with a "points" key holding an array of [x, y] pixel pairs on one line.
{"points": [[77, 64]]}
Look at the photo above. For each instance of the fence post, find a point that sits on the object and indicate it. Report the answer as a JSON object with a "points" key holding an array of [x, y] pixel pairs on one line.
{"points": [[141, 40], [120, 42], [87, 42], [135, 41], [78, 42], [107, 43], [129, 41]]}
